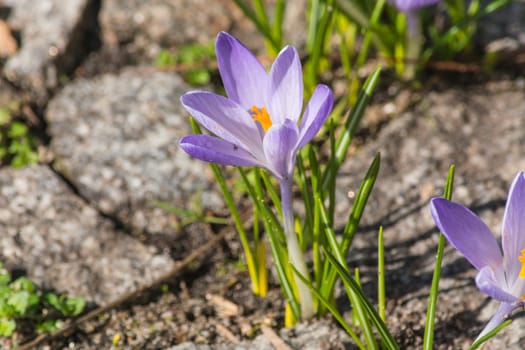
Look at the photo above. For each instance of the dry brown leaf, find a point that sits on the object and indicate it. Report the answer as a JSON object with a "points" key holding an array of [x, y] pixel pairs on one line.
{"points": [[276, 341], [227, 333], [224, 307], [8, 45]]}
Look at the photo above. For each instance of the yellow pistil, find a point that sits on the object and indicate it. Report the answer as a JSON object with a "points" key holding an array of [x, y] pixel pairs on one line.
{"points": [[261, 115], [522, 261]]}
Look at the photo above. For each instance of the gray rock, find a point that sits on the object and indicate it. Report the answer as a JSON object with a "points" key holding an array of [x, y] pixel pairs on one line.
{"points": [[64, 244], [190, 346], [8, 95], [319, 335], [116, 139], [480, 129], [503, 30], [477, 128], [53, 40], [149, 25], [146, 26]]}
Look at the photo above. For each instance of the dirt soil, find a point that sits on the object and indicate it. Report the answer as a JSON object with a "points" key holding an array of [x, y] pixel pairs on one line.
{"points": [[208, 300]]}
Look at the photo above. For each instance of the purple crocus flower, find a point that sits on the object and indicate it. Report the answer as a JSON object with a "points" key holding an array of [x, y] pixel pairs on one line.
{"points": [[501, 274], [410, 8], [412, 5], [257, 124]]}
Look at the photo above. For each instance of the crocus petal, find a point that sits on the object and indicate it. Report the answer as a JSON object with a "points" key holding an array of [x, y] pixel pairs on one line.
{"points": [[494, 286], [225, 118], [467, 233], [214, 150], [315, 114], [504, 310], [286, 87], [410, 5], [245, 79], [513, 230], [279, 148]]}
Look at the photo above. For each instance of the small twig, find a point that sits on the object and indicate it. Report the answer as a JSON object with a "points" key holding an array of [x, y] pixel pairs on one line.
{"points": [[227, 333], [223, 306], [179, 266], [276, 341]]}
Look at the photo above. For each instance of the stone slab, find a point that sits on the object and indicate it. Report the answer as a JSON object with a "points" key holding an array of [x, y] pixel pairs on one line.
{"points": [[64, 244], [116, 139]]}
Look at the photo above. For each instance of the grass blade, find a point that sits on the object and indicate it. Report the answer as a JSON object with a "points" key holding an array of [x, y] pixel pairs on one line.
{"points": [[350, 229], [381, 290], [490, 334], [388, 341], [348, 131], [262, 27], [428, 339], [250, 259], [276, 240], [332, 310], [354, 299], [363, 193]]}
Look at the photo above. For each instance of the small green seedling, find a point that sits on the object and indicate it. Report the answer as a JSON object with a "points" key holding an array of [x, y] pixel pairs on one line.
{"points": [[17, 144], [22, 302], [194, 213], [192, 60]]}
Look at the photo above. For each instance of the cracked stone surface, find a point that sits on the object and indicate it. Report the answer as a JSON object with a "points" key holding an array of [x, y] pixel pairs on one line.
{"points": [[320, 335], [64, 244], [145, 26], [503, 30], [149, 26], [481, 129], [52, 37], [116, 139], [7, 94]]}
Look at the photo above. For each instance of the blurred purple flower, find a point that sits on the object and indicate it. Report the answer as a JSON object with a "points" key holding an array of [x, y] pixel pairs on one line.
{"points": [[412, 5], [258, 123], [410, 8], [501, 276]]}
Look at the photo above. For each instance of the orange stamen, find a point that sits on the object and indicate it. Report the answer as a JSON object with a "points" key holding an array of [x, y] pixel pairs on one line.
{"points": [[522, 261], [261, 115]]}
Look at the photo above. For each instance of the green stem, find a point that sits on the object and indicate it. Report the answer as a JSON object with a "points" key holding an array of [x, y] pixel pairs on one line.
{"points": [[428, 338], [275, 237], [414, 41], [295, 253], [381, 290], [253, 268], [250, 259]]}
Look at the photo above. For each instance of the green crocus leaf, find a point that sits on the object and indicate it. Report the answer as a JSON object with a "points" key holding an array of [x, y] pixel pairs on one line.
{"points": [[7, 327], [23, 301]]}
